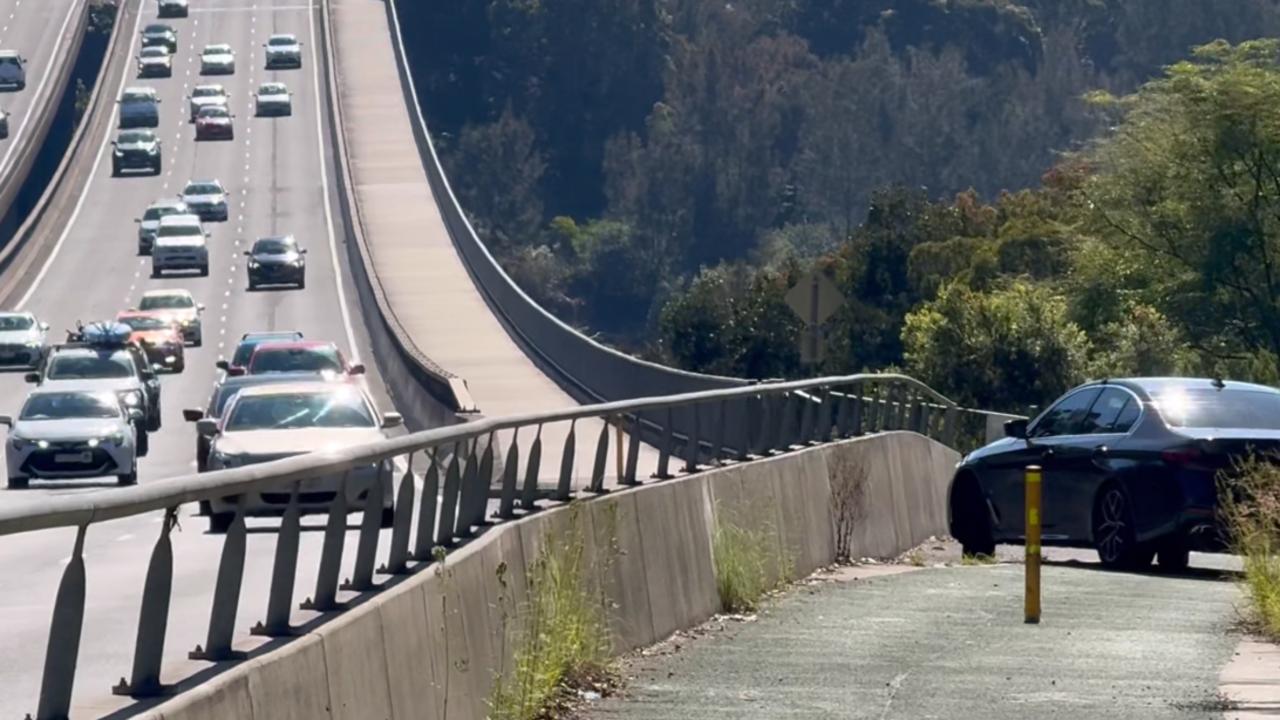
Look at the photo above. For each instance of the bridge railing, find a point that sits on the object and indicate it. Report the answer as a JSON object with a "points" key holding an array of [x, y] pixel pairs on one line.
{"points": [[472, 475]]}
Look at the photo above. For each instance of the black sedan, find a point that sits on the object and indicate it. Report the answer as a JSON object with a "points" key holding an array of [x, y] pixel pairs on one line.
{"points": [[277, 261], [1130, 467]]}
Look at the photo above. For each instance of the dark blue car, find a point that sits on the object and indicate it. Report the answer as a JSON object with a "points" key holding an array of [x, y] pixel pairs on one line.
{"points": [[1130, 467]]}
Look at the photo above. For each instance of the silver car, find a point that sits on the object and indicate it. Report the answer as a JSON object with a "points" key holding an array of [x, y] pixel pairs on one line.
{"points": [[217, 59], [155, 61], [206, 198], [72, 432], [23, 340], [272, 422], [202, 95], [273, 99], [149, 223], [283, 51]]}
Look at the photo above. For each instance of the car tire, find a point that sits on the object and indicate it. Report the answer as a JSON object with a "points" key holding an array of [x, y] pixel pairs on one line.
{"points": [[302, 284], [144, 443], [388, 517], [18, 483], [1113, 531], [1174, 555], [128, 478], [115, 170], [204, 271], [179, 366], [971, 521], [252, 286], [220, 523], [198, 340]]}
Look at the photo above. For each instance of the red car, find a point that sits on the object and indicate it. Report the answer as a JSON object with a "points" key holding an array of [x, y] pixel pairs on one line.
{"points": [[159, 336], [213, 122], [300, 356]]}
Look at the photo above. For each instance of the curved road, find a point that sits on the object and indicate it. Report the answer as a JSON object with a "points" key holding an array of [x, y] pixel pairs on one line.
{"points": [[39, 31], [278, 172]]}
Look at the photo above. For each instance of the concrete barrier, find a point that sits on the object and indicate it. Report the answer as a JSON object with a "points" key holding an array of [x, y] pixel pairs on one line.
{"points": [[442, 636]]}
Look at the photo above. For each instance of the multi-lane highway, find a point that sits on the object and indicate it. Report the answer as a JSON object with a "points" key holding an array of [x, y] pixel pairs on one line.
{"points": [[278, 172], [40, 31]]}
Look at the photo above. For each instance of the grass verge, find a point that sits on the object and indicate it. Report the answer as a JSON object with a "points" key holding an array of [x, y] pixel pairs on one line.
{"points": [[748, 563], [1249, 501], [563, 638]]}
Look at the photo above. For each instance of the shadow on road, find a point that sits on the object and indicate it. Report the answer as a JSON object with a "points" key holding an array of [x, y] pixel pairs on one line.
{"points": [[1191, 573]]}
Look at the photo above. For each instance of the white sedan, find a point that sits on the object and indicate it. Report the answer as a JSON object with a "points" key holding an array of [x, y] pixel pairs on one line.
{"points": [[218, 60], [273, 99], [280, 420], [73, 431]]}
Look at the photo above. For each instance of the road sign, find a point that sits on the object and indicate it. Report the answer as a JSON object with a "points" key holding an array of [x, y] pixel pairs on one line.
{"points": [[815, 299]]}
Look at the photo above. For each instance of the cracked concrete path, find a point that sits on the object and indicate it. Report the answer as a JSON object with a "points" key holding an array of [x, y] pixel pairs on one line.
{"points": [[950, 643]]}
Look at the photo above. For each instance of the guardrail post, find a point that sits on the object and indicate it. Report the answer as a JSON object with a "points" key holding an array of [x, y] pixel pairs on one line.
{"points": [[949, 426], [717, 445], [768, 433], [529, 499], [64, 638], [750, 406], [423, 541], [786, 423], [449, 502], [808, 417], [633, 455], [467, 490], [335, 533], [510, 469], [284, 572], [367, 545], [484, 484], [564, 489], [826, 414], [602, 456], [664, 449], [398, 558], [693, 445], [153, 617], [844, 412], [226, 594]]}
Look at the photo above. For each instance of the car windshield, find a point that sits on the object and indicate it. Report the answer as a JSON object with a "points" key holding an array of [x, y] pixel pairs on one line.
{"points": [[154, 51], [157, 29], [279, 40], [318, 359], [84, 367], [178, 230], [155, 212], [214, 111], [206, 91], [218, 50], [274, 246], [131, 96], [143, 322], [202, 189], [132, 137], [272, 89], [15, 322], [167, 302], [291, 411], [62, 406], [1213, 408]]}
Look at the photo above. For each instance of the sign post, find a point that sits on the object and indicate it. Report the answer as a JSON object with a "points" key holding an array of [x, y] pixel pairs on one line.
{"points": [[1032, 604], [814, 299]]}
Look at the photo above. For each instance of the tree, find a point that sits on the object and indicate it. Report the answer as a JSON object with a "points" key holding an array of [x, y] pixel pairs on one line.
{"points": [[498, 171], [1004, 349], [1189, 183]]}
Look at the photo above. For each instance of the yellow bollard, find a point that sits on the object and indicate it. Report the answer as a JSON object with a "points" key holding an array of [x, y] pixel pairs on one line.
{"points": [[1033, 545]]}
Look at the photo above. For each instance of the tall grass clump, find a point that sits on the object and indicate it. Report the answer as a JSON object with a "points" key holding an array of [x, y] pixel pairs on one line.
{"points": [[748, 563], [1249, 501], [563, 640]]}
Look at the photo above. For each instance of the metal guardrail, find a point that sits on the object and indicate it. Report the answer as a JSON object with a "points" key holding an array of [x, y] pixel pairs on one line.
{"points": [[467, 483]]}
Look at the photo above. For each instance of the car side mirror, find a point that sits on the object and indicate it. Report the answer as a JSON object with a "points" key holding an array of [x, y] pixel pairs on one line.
{"points": [[193, 414], [357, 369], [156, 367], [6, 420], [222, 365], [135, 414], [1016, 428], [236, 371], [44, 326], [207, 426], [199, 308], [137, 220], [33, 378], [302, 251], [392, 419]]}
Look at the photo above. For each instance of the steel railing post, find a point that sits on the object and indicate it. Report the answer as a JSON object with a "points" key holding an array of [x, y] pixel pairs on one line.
{"points": [[335, 534], [510, 473], [602, 457], [564, 489], [398, 558], [153, 616], [529, 498], [284, 572], [64, 638], [226, 593]]}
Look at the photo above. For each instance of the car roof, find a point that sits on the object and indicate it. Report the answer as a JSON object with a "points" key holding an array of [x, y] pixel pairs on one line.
{"points": [[8, 53], [283, 238], [17, 313], [140, 313], [167, 202], [140, 90], [217, 47], [88, 386], [268, 334], [275, 36], [210, 86], [203, 182], [167, 292], [295, 387], [88, 350], [296, 345], [1149, 386], [157, 26], [177, 219]]}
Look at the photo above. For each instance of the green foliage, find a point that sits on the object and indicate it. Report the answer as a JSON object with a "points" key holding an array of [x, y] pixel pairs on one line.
{"points": [[1006, 349], [564, 638], [1249, 503], [749, 563]]}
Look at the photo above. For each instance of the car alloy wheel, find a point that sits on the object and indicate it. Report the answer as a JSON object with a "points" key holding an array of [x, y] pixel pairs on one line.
{"points": [[1113, 533]]}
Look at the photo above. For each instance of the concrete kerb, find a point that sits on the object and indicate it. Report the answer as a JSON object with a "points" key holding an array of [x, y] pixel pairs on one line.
{"points": [[615, 524], [356, 666], [225, 698], [289, 683], [675, 537], [407, 643]]}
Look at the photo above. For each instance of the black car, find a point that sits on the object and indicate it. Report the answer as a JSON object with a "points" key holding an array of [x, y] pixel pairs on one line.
{"points": [[277, 261], [136, 150], [1130, 467], [160, 34], [172, 9]]}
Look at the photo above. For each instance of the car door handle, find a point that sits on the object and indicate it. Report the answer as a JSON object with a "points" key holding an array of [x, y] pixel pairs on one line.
{"points": [[1101, 452], [1047, 452]]}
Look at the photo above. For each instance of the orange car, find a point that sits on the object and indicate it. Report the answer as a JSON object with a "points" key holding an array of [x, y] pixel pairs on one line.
{"points": [[158, 335]]}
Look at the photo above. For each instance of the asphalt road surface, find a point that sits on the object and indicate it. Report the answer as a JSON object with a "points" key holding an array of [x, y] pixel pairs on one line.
{"points": [[950, 643], [278, 171], [38, 30]]}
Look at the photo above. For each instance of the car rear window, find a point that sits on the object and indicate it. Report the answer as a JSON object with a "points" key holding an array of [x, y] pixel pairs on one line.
{"points": [[16, 322], [86, 367], [166, 302], [1212, 408], [317, 359]]}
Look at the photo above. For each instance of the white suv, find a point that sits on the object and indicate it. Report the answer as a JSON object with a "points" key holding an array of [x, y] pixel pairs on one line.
{"points": [[180, 245]]}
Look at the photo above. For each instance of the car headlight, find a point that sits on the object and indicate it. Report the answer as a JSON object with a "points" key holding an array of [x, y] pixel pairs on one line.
{"points": [[119, 152], [17, 442], [131, 398], [254, 264], [116, 438], [34, 344], [298, 262], [188, 322], [154, 149]]}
